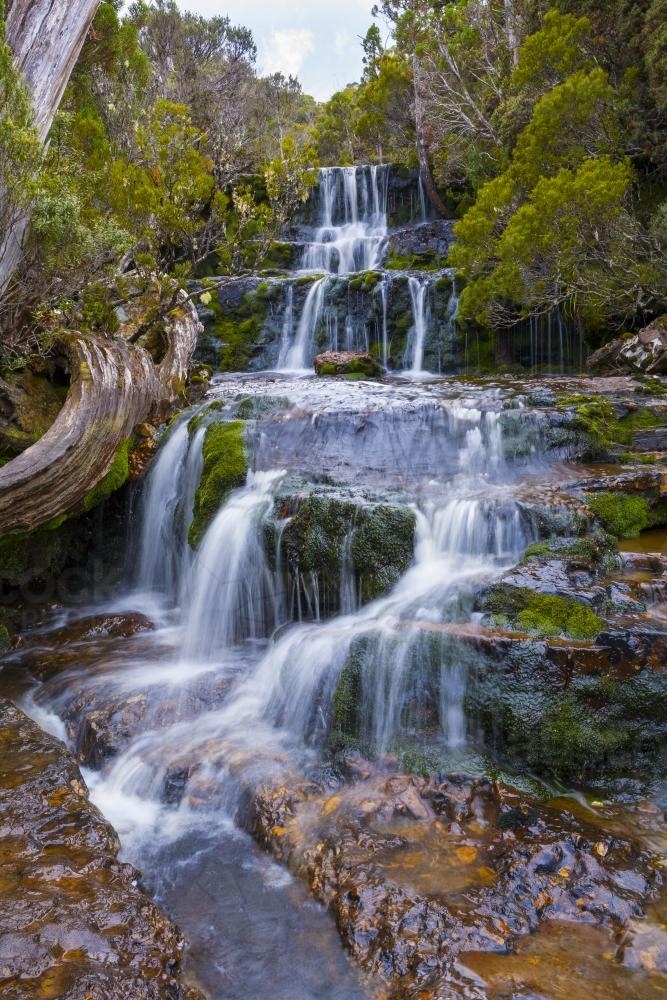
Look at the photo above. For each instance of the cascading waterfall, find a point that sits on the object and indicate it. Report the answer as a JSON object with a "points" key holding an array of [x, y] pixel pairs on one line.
{"points": [[233, 595], [166, 514], [350, 236], [419, 288], [298, 354]]}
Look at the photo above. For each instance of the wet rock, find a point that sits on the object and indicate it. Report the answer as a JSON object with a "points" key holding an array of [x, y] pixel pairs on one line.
{"points": [[347, 363], [646, 352], [478, 867], [93, 627], [74, 921]]}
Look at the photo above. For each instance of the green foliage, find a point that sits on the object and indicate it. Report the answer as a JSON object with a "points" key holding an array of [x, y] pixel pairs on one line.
{"points": [[225, 468], [622, 515]]}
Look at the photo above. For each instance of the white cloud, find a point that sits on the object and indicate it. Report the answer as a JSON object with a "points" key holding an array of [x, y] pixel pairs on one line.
{"points": [[342, 43], [288, 49]]}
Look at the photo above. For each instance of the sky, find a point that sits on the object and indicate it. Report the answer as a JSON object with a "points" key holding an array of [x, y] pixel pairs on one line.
{"points": [[319, 41]]}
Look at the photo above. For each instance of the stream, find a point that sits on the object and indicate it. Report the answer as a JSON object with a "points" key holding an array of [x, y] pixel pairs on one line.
{"points": [[372, 517]]}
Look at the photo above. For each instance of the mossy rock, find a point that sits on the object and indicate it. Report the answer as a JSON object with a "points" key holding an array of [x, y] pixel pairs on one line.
{"points": [[606, 434], [382, 549], [347, 363], [542, 614], [622, 515], [589, 727], [225, 467]]}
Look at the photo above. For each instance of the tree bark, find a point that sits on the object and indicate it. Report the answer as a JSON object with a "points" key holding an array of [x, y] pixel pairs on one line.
{"points": [[46, 37], [114, 387], [423, 153]]}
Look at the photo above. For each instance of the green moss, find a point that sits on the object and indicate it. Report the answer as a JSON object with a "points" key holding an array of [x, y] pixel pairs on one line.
{"points": [[365, 281], [5, 640], [327, 369], [382, 549], [280, 257], [346, 701], [225, 468], [239, 331], [428, 260], [596, 417], [543, 614], [624, 516], [116, 477]]}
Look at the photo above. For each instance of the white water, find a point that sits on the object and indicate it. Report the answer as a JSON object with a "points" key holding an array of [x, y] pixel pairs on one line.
{"points": [[349, 237], [419, 288], [353, 221]]}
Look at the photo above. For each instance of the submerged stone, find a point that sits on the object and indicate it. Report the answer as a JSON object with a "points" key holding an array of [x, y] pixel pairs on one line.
{"points": [[74, 921]]}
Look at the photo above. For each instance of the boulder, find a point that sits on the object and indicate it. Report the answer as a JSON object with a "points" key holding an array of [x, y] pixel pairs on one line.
{"points": [[646, 352], [347, 363]]}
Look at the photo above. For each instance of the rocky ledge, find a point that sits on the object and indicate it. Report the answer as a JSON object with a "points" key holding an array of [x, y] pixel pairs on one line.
{"points": [[74, 922]]}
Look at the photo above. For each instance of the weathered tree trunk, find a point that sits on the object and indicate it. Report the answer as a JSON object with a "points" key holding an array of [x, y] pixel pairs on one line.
{"points": [[46, 37], [115, 386], [425, 171]]}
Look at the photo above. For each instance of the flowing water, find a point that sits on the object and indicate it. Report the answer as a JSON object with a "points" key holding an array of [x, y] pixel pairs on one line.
{"points": [[349, 240], [236, 685]]}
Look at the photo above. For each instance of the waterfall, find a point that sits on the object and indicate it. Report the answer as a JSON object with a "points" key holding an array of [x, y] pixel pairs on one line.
{"points": [[420, 314], [166, 511], [301, 350], [349, 237], [384, 287], [288, 322], [232, 591]]}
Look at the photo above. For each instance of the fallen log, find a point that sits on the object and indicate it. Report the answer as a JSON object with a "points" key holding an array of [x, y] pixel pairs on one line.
{"points": [[115, 386]]}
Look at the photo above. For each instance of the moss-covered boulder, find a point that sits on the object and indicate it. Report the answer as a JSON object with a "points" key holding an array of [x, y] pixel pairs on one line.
{"points": [[347, 363], [225, 467], [382, 549], [329, 543]]}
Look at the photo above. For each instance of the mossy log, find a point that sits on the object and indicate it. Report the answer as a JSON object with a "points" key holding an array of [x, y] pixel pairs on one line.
{"points": [[114, 387]]}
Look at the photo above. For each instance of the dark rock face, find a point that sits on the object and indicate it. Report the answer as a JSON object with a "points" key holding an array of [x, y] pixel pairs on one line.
{"points": [[493, 866], [646, 352], [74, 922]]}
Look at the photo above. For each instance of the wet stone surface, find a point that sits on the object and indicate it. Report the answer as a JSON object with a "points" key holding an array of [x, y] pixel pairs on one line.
{"points": [[420, 873], [74, 921]]}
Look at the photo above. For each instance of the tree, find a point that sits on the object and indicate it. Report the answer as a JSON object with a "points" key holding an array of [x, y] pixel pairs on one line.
{"points": [[554, 228], [45, 41]]}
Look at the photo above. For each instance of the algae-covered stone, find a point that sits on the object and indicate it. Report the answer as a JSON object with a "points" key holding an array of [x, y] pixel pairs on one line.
{"points": [[225, 467], [325, 531]]}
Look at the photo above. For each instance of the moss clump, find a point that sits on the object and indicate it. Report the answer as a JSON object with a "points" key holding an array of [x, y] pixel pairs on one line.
{"points": [[365, 281], [382, 549], [623, 516], [238, 330], [5, 639], [543, 614], [225, 467], [116, 477]]}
